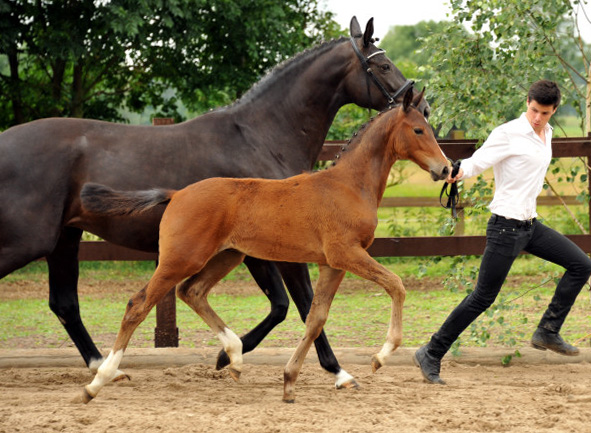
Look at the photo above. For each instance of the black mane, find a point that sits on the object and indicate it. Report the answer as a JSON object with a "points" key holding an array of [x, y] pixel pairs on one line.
{"points": [[277, 72]]}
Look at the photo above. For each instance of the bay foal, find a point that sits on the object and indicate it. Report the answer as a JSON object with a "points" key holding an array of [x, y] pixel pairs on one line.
{"points": [[327, 217]]}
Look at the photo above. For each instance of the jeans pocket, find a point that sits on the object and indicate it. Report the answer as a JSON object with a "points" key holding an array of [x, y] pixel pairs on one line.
{"points": [[503, 240]]}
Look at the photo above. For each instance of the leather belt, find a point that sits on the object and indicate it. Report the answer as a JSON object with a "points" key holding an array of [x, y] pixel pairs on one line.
{"points": [[516, 223]]}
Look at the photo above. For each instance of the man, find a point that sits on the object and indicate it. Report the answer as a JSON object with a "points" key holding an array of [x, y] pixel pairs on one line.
{"points": [[519, 152]]}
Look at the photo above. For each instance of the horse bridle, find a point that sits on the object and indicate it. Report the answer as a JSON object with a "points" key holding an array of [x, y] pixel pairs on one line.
{"points": [[364, 63]]}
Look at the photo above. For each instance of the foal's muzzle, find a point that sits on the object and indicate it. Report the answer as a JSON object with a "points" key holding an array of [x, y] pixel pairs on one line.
{"points": [[441, 174]]}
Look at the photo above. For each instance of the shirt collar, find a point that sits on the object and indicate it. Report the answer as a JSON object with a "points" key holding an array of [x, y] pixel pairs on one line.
{"points": [[527, 126]]}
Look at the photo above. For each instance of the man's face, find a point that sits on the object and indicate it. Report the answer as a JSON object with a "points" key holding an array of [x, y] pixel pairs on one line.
{"points": [[538, 115]]}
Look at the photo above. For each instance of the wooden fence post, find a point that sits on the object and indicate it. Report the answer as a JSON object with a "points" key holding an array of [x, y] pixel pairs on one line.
{"points": [[166, 333]]}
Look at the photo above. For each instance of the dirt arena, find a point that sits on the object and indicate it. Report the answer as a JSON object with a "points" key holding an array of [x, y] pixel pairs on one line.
{"points": [[179, 390]]}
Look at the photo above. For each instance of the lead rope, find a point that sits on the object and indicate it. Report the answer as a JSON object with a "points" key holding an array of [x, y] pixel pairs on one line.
{"points": [[453, 196]]}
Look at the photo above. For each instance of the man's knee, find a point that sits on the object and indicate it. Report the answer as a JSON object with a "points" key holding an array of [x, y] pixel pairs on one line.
{"points": [[581, 268]]}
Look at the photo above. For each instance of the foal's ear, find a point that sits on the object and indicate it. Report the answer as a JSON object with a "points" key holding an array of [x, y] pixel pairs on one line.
{"points": [[367, 36], [354, 28], [407, 101], [417, 100]]}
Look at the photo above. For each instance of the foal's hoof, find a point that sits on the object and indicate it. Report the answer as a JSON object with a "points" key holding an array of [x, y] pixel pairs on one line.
{"points": [[223, 360], [376, 364], [119, 376], [288, 400], [86, 397], [235, 374], [350, 384]]}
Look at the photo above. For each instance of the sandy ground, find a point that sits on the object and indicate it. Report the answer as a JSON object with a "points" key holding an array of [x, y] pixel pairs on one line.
{"points": [[179, 390], [534, 395]]}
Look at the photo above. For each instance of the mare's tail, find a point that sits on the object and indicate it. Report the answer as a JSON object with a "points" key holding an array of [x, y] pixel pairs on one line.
{"points": [[101, 199]]}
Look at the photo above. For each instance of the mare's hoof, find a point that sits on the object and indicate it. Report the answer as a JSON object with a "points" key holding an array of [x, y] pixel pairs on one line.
{"points": [[86, 397], [350, 384], [234, 374], [376, 364], [289, 400], [223, 360]]}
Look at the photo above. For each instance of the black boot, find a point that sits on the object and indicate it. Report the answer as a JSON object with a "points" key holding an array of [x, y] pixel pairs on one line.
{"points": [[429, 365], [544, 339]]}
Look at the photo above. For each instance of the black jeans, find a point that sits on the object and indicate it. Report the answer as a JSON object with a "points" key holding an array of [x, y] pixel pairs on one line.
{"points": [[505, 239]]}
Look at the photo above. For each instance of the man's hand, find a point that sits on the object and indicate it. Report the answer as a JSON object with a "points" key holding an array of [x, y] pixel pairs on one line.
{"points": [[456, 178]]}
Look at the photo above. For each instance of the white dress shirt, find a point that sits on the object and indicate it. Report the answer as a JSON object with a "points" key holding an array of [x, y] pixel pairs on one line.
{"points": [[520, 160]]}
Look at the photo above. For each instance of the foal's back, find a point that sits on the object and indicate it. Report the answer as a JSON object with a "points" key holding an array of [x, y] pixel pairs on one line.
{"points": [[284, 220]]}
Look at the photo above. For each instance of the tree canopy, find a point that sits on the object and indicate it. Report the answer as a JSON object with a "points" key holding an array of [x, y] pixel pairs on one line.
{"points": [[404, 45], [484, 61], [85, 58]]}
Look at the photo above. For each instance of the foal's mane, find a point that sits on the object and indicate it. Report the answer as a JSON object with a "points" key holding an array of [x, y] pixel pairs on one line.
{"points": [[356, 138], [277, 72]]}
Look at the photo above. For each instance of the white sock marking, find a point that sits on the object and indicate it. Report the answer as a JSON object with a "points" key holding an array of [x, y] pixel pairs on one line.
{"points": [[106, 372], [233, 347]]}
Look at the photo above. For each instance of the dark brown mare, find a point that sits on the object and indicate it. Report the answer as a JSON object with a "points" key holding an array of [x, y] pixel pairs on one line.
{"points": [[327, 217], [276, 130]]}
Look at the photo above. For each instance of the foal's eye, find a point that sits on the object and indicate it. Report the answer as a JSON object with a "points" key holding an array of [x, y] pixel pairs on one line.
{"points": [[419, 131]]}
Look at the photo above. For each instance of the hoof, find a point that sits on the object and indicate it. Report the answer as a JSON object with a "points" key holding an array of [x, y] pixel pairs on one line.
{"points": [[350, 384], [290, 400], [121, 376], [235, 374], [223, 360], [376, 364], [86, 397]]}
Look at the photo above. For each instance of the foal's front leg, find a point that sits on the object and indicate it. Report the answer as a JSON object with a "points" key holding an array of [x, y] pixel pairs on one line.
{"points": [[297, 280], [359, 262], [328, 283]]}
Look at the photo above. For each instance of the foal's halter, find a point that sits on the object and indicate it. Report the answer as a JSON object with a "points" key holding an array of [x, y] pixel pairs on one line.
{"points": [[390, 98]]}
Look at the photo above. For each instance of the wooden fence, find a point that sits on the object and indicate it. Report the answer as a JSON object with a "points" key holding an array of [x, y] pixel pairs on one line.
{"points": [[400, 246], [166, 333]]}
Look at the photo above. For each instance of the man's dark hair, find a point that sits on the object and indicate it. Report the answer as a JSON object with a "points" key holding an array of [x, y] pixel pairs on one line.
{"points": [[544, 92]]}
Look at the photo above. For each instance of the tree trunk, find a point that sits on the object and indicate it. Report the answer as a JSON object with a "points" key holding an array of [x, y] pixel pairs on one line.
{"points": [[15, 91], [77, 91], [588, 102]]}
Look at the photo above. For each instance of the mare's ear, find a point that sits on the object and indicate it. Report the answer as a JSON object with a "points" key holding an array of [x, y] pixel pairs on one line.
{"points": [[354, 28], [367, 36], [407, 101], [417, 100]]}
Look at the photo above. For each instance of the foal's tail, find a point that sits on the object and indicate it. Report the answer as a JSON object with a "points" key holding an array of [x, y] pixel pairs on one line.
{"points": [[101, 199]]}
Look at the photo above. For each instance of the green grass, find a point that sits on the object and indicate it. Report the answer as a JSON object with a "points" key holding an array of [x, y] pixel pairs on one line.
{"points": [[358, 317]]}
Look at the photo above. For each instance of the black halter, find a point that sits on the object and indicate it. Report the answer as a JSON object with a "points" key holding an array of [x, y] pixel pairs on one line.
{"points": [[390, 98]]}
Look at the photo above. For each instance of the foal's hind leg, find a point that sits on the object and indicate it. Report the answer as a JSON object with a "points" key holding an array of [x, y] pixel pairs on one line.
{"points": [[328, 283], [194, 292], [137, 309], [359, 262]]}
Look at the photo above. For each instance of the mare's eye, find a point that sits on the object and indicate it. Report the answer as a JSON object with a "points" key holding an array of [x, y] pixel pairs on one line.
{"points": [[385, 67], [418, 131]]}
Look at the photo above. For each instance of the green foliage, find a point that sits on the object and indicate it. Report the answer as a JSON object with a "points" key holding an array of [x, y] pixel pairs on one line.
{"points": [[485, 60], [89, 58], [404, 46], [348, 121]]}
